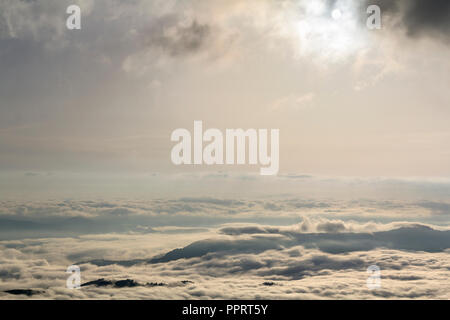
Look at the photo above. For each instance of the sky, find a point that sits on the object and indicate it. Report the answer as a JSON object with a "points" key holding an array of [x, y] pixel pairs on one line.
{"points": [[86, 175], [348, 101]]}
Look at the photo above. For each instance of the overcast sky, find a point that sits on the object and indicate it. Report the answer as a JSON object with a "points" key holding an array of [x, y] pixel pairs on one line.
{"points": [[348, 101]]}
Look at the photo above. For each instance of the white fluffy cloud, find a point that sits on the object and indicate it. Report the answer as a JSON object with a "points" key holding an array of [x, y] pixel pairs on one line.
{"points": [[317, 258]]}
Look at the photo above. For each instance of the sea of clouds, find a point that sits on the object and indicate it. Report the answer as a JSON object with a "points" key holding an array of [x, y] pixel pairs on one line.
{"points": [[202, 248]]}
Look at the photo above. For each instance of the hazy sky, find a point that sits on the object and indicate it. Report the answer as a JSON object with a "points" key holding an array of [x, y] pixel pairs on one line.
{"points": [[348, 101]]}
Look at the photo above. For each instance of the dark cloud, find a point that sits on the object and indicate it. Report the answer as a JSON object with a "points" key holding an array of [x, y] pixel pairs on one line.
{"points": [[300, 269], [10, 272], [404, 277], [419, 17], [247, 230], [425, 16], [436, 207], [176, 38]]}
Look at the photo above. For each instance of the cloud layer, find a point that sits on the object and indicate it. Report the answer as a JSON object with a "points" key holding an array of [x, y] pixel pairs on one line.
{"points": [[319, 257], [247, 266]]}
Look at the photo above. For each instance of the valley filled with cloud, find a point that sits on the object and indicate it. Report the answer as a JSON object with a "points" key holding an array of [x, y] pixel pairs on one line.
{"points": [[218, 248]]}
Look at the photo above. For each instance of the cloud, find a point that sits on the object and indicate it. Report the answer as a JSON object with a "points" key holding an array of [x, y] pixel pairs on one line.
{"points": [[413, 237], [177, 39], [294, 102], [441, 208], [428, 17], [38, 21], [236, 266], [31, 174], [420, 18], [234, 261], [331, 227], [20, 219]]}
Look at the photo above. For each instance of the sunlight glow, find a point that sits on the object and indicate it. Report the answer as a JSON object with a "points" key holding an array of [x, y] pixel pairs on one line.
{"points": [[331, 33]]}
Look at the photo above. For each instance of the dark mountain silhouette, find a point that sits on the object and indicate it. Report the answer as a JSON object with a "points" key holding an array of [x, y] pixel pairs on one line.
{"points": [[127, 283], [157, 284], [118, 283], [414, 238], [102, 262], [27, 292], [98, 283]]}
